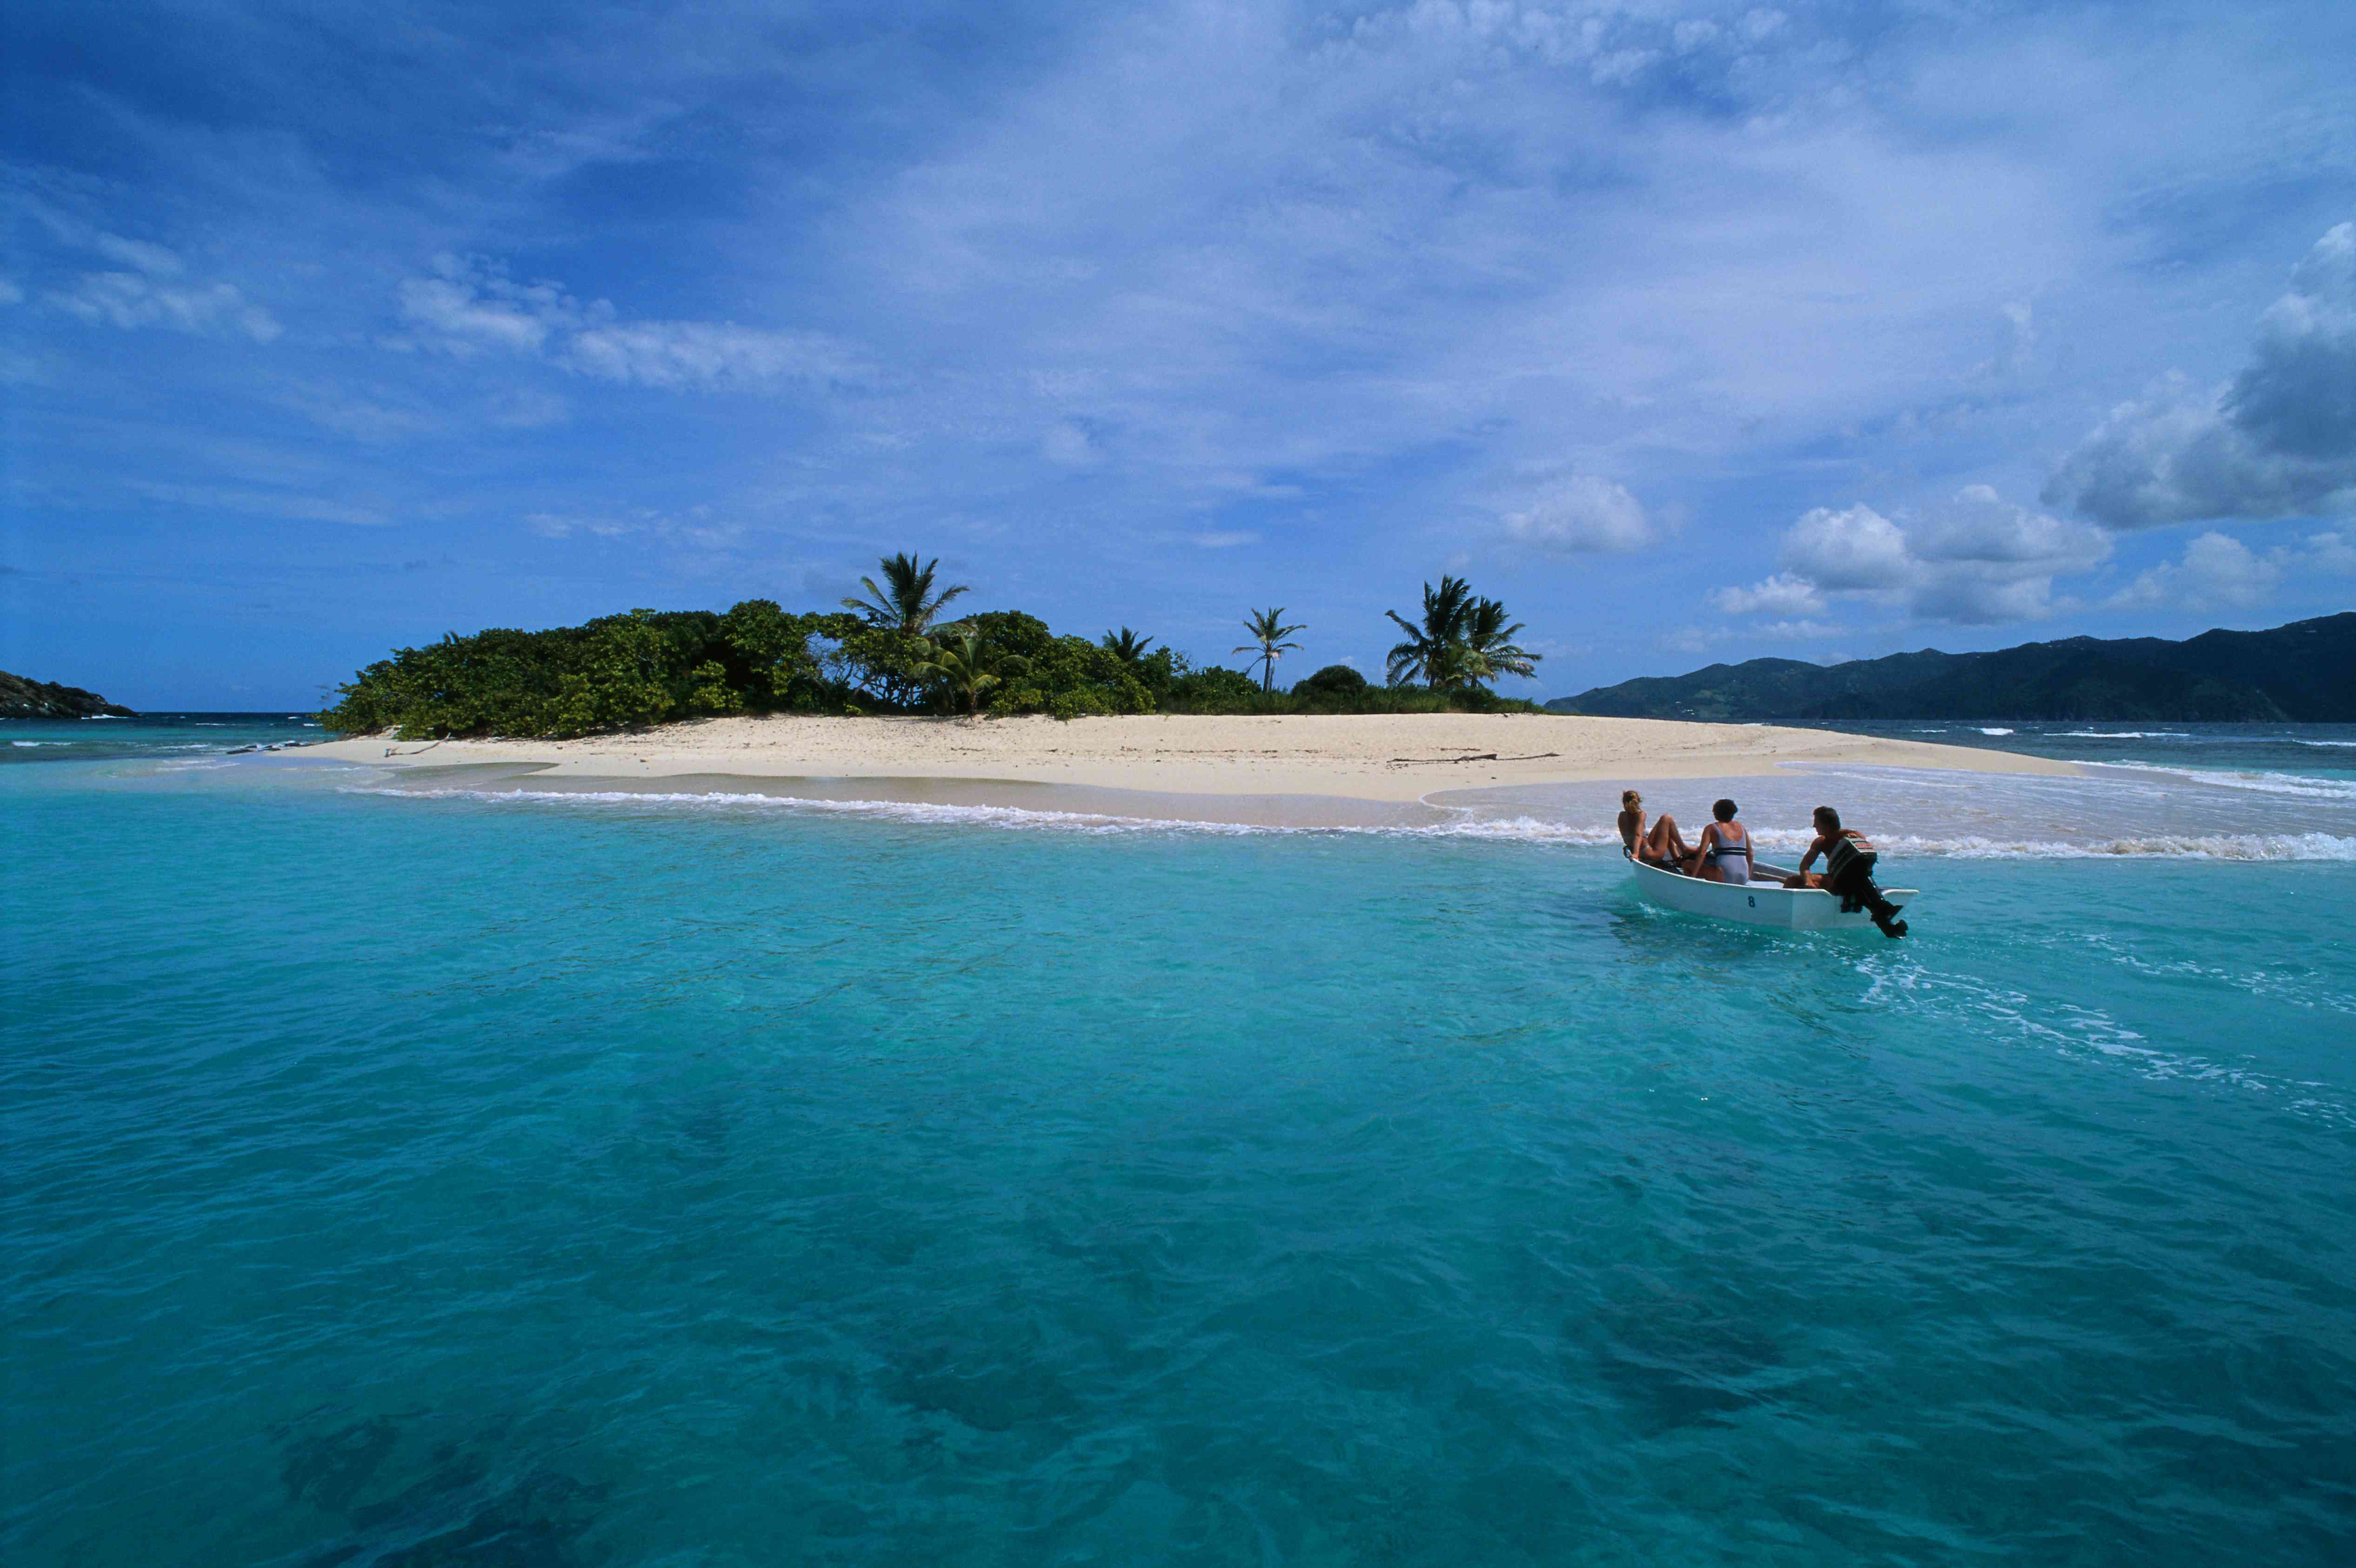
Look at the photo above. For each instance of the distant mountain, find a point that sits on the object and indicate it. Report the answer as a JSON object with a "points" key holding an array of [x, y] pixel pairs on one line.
{"points": [[22, 698], [2304, 672]]}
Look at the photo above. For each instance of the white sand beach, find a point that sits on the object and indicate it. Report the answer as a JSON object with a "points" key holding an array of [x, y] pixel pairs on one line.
{"points": [[1379, 758]]}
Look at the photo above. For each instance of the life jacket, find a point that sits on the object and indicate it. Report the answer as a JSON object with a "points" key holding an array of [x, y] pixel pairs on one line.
{"points": [[1848, 857]]}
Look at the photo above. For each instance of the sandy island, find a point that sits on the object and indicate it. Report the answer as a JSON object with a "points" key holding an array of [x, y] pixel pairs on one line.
{"points": [[1373, 760]]}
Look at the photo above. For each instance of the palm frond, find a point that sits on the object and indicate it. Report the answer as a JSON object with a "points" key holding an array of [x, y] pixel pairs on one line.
{"points": [[905, 602]]}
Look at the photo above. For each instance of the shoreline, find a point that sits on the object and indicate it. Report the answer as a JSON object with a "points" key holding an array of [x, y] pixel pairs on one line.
{"points": [[1281, 769]]}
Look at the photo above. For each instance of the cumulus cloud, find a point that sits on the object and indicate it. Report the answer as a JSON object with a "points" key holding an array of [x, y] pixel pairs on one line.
{"points": [[1974, 558], [1577, 513], [1853, 551], [2220, 572], [1781, 595], [472, 306], [2277, 440]]}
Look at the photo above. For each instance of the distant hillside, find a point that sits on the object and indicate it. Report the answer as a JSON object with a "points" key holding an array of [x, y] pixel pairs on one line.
{"points": [[2304, 672], [22, 698]]}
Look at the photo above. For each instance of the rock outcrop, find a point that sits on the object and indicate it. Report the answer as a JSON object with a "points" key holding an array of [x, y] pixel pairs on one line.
{"points": [[22, 698]]}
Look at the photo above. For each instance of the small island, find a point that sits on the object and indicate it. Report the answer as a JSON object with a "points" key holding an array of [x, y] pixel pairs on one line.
{"points": [[24, 698], [890, 687]]}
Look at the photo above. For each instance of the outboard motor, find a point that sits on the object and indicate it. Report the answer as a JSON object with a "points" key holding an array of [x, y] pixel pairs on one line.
{"points": [[1848, 874]]}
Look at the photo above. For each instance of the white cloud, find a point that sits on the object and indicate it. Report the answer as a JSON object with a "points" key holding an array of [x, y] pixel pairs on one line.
{"points": [[129, 300], [2217, 572], [2278, 441], [2220, 572], [1579, 513], [1781, 595], [156, 260], [1227, 540], [472, 307], [707, 355], [1981, 527], [2332, 554], [1975, 559], [10, 293], [1801, 631], [1857, 550], [467, 310]]}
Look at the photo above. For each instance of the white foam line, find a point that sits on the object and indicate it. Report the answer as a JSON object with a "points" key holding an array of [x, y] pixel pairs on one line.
{"points": [[1517, 829], [2259, 782]]}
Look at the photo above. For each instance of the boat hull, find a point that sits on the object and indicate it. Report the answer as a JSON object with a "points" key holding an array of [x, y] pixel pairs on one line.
{"points": [[1764, 903]]}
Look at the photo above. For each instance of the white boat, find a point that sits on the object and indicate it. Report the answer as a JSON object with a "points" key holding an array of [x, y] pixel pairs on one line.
{"points": [[1762, 901]]}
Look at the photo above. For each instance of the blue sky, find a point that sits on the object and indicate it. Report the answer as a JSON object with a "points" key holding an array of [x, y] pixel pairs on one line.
{"points": [[1694, 332]]}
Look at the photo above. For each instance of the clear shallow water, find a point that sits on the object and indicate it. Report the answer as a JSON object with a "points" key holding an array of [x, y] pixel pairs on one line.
{"points": [[682, 1182]]}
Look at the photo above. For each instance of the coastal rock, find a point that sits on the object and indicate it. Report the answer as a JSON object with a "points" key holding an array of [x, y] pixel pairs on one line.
{"points": [[23, 699]]}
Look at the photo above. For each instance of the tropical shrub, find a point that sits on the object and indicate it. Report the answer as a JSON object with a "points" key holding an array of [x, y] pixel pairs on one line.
{"points": [[1335, 683]]}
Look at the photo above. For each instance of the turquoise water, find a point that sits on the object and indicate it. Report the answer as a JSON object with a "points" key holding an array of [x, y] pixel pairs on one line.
{"points": [[493, 1180]]}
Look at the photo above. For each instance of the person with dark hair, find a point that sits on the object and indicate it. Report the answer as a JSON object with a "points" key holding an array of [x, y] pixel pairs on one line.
{"points": [[1849, 860], [1662, 845], [1722, 854]]}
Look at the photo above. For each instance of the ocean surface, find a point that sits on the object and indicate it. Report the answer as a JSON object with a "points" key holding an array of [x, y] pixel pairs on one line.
{"points": [[406, 1170]]}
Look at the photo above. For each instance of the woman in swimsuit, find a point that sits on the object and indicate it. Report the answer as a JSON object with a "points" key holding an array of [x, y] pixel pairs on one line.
{"points": [[1723, 855], [1664, 845]]}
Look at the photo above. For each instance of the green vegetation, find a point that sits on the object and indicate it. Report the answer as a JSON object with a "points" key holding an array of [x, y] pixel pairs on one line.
{"points": [[2305, 672], [886, 653], [1268, 645], [1461, 643]]}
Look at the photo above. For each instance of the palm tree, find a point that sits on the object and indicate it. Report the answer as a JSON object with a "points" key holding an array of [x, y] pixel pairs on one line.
{"points": [[1126, 646], [907, 604], [1435, 652], [1490, 644], [1269, 632], [966, 667]]}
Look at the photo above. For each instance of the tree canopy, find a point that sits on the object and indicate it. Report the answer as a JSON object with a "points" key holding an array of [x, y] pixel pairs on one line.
{"points": [[888, 654]]}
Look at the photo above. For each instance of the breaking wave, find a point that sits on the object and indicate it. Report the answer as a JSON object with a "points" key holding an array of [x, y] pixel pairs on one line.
{"points": [[2263, 783], [1522, 829]]}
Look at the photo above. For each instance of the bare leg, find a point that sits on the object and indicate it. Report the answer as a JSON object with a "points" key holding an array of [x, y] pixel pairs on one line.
{"points": [[1664, 842]]}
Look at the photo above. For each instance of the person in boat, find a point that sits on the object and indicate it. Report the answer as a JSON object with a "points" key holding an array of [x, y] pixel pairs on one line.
{"points": [[1660, 846], [1849, 860], [1722, 854]]}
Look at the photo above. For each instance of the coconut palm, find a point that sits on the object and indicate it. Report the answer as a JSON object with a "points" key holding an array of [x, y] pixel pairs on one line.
{"points": [[1490, 646], [965, 667], [1126, 646], [1436, 651], [907, 601], [1268, 645]]}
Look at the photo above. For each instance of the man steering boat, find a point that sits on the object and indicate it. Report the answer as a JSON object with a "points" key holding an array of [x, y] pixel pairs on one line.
{"points": [[1849, 860]]}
